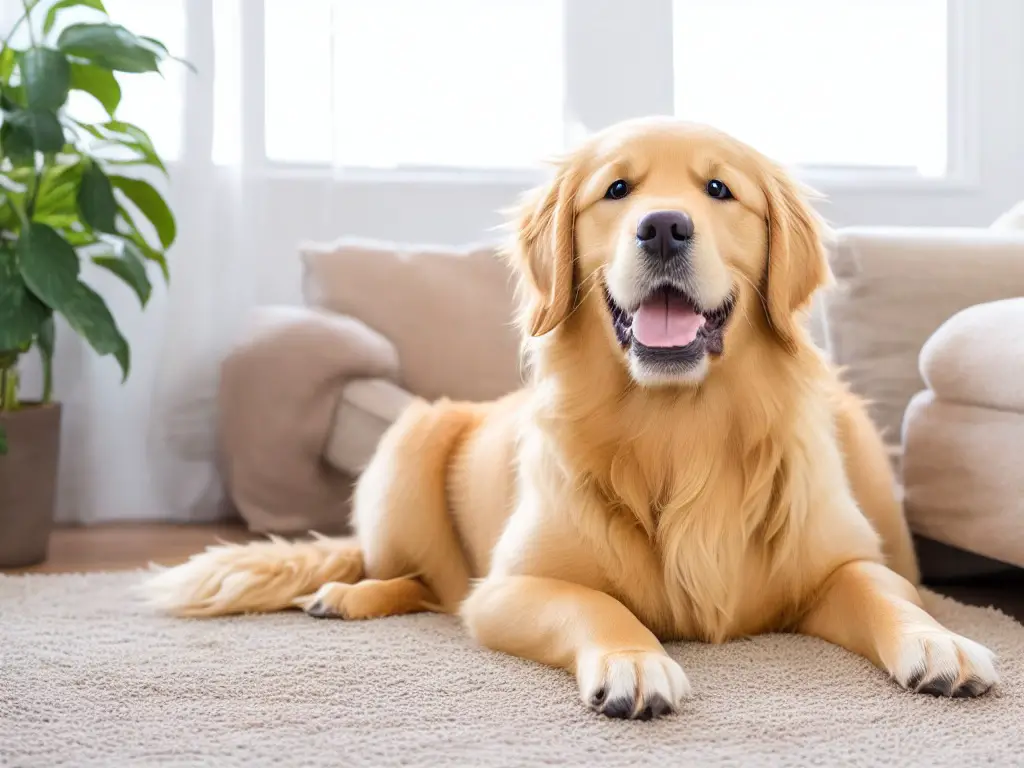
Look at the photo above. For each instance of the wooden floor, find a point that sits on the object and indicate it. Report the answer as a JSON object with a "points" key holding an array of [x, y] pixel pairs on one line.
{"points": [[130, 546]]}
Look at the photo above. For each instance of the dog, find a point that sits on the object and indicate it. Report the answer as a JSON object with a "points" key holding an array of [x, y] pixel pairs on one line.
{"points": [[684, 464]]}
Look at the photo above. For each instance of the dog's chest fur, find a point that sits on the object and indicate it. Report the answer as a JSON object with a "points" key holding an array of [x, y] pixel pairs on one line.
{"points": [[696, 521]]}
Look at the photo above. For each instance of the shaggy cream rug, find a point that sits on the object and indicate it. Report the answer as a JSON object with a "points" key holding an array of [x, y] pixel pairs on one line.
{"points": [[88, 677]]}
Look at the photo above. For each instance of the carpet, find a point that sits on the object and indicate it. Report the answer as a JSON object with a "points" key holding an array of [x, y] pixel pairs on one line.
{"points": [[89, 677]]}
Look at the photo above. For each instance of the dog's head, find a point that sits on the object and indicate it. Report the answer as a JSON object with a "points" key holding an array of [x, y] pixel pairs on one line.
{"points": [[690, 240]]}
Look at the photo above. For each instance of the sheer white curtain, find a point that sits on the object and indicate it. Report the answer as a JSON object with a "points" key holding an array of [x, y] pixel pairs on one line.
{"points": [[237, 248], [301, 124], [147, 450]]}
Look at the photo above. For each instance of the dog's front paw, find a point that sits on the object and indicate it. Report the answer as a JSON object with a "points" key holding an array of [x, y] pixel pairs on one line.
{"points": [[631, 684], [941, 663]]}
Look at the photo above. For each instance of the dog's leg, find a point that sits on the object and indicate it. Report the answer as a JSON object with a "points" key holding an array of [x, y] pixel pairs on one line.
{"points": [[870, 610], [369, 599], [620, 666], [401, 507], [873, 484]]}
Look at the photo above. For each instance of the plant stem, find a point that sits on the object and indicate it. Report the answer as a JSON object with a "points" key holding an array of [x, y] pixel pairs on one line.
{"points": [[47, 382], [9, 389], [29, 5], [28, 10]]}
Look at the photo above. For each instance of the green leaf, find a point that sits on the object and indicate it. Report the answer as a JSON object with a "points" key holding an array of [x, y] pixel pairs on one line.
{"points": [[7, 61], [129, 136], [141, 142], [12, 97], [151, 205], [3, 441], [149, 252], [49, 265], [163, 53], [110, 46], [46, 75], [156, 45], [56, 220], [58, 191], [86, 312], [96, 199], [131, 268], [51, 15], [16, 144], [25, 130], [99, 83], [45, 341], [20, 311], [77, 239]]}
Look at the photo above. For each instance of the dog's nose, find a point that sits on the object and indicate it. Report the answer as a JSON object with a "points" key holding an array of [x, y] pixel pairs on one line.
{"points": [[664, 232]]}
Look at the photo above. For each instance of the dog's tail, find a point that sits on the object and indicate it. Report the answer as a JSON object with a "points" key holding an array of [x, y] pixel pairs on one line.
{"points": [[259, 577]]}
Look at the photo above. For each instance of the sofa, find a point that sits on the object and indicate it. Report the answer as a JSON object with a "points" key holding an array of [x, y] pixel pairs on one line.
{"points": [[922, 320]]}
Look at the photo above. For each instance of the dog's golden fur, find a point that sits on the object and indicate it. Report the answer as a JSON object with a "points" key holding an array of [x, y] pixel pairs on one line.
{"points": [[603, 509]]}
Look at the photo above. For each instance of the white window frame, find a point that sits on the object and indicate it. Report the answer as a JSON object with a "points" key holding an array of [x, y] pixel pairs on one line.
{"points": [[611, 77]]}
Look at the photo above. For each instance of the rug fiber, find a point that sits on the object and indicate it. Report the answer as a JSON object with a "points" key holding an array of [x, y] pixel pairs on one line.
{"points": [[88, 677]]}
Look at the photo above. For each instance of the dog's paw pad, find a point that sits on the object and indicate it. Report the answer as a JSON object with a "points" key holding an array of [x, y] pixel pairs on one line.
{"points": [[940, 663], [636, 685]]}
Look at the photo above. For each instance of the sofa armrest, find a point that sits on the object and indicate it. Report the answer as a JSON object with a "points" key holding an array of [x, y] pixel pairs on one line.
{"points": [[366, 408], [894, 288], [278, 393]]}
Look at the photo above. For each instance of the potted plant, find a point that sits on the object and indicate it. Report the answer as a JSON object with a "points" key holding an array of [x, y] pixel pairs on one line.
{"points": [[69, 191]]}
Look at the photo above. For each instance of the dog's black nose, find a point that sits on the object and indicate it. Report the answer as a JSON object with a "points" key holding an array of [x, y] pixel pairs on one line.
{"points": [[664, 232]]}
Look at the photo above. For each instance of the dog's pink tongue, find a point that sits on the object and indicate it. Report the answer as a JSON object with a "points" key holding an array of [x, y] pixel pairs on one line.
{"points": [[666, 320]]}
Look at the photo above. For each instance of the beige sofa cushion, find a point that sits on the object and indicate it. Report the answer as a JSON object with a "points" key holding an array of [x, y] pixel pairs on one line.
{"points": [[895, 287], [278, 396], [977, 357], [366, 409], [962, 475], [448, 312]]}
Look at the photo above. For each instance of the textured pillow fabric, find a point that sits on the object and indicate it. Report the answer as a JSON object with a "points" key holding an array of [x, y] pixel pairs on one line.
{"points": [[278, 394], [964, 436], [895, 287], [977, 357], [447, 312], [963, 483], [366, 409]]}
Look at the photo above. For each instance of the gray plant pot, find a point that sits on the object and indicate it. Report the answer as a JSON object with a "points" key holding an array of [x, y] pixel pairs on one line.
{"points": [[28, 483]]}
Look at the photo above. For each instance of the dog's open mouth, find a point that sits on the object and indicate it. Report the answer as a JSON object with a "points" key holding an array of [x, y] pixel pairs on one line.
{"points": [[669, 325]]}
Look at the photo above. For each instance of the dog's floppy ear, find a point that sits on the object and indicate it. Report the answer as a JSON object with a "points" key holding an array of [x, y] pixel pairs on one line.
{"points": [[797, 265], [544, 251]]}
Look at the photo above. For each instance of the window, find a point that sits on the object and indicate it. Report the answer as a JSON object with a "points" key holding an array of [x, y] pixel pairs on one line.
{"points": [[840, 83], [870, 89], [391, 83], [151, 101]]}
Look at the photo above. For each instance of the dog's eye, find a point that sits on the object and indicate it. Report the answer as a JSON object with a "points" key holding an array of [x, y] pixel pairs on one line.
{"points": [[618, 190], [718, 190]]}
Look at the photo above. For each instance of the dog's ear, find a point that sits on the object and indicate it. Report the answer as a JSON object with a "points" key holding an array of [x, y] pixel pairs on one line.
{"points": [[543, 251], [797, 265]]}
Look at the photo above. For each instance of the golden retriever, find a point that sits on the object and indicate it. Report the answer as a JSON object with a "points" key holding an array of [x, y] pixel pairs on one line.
{"points": [[684, 464]]}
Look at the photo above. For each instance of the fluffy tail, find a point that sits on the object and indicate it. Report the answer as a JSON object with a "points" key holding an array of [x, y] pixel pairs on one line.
{"points": [[259, 577]]}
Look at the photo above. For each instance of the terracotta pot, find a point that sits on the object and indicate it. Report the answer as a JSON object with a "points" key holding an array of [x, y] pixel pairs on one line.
{"points": [[28, 483]]}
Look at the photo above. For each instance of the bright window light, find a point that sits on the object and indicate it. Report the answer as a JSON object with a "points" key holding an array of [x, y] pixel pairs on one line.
{"points": [[392, 83], [859, 83]]}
